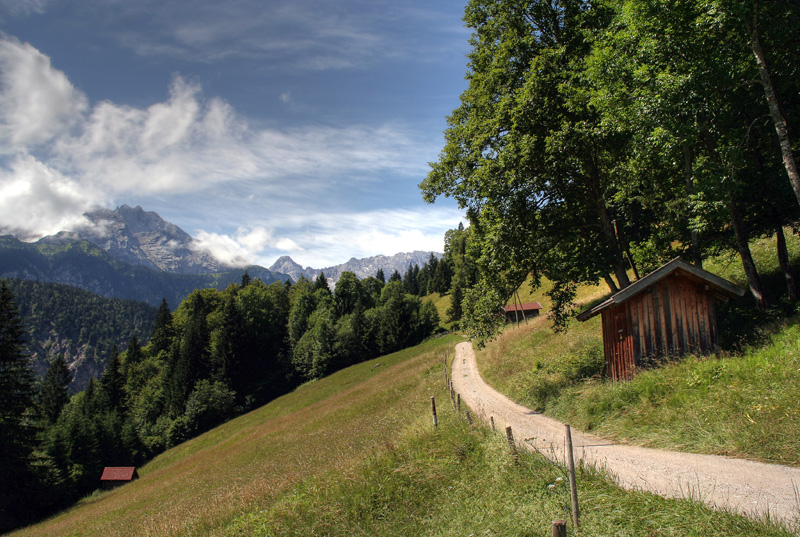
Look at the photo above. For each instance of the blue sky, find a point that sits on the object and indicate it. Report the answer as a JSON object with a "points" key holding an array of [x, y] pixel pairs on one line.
{"points": [[262, 128]]}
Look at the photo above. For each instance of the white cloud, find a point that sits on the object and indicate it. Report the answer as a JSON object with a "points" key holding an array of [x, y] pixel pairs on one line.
{"points": [[23, 7], [36, 200], [333, 238], [71, 156], [243, 248], [37, 102]]}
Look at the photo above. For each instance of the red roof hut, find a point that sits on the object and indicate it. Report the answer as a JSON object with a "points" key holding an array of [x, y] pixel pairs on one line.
{"points": [[114, 476], [669, 312]]}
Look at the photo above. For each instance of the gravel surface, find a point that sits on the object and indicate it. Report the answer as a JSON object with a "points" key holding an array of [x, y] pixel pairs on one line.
{"points": [[751, 488]]}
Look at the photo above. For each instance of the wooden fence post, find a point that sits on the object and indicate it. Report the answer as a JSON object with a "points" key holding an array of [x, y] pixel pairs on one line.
{"points": [[511, 444], [458, 402], [559, 528], [433, 409], [573, 487], [469, 418], [491, 419]]}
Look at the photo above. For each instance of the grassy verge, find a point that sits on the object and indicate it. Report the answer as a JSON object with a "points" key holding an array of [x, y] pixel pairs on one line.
{"points": [[458, 481], [744, 406]]}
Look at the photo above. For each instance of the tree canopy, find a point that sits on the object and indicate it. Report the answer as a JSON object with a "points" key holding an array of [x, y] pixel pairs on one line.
{"points": [[596, 138]]}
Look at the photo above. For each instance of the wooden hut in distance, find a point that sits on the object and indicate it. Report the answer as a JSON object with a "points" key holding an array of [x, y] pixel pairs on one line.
{"points": [[114, 476], [515, 312], [669, 312]]}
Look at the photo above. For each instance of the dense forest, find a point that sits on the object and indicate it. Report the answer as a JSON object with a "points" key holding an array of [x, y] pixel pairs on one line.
{"points": [[217, 355], [598, 139], [81, 326]]}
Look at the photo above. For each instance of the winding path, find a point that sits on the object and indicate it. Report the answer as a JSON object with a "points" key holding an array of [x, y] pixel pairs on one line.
{"points": [[751, 488]]}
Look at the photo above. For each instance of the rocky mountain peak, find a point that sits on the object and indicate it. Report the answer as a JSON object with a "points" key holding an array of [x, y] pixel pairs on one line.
{"points": [[141, 237]]}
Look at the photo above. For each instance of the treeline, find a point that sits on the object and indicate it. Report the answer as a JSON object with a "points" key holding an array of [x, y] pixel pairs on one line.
{"points": [[217, 355], [598, 139]]}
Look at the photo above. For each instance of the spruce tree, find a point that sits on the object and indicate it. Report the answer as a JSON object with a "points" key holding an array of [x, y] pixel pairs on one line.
{"points": [[112, 380], [54, 393], [163, 331], [16, 397]]}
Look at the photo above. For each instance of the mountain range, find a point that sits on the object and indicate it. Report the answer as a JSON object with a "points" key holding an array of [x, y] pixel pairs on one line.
{"points": [[135, 254]]}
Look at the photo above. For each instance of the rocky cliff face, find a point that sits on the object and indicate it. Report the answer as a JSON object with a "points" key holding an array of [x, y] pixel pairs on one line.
{"points": [[139, 237]]}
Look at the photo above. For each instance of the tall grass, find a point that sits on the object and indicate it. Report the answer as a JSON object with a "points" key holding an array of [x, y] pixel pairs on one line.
{"points": [[459, 481], [743, 406]]}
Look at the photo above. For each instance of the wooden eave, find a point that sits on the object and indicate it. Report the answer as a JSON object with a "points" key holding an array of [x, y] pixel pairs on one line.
{"points": [[721, 287]]}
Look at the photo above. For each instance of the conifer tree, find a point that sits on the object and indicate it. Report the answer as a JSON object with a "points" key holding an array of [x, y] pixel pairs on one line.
{"points": [[16, 397], [112, 380], [322, 283], [163, 331], [54, 393]]}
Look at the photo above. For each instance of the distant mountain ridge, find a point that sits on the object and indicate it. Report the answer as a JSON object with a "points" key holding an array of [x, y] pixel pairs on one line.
{"points": [[362, 268], [135, 254], [84, 265]]}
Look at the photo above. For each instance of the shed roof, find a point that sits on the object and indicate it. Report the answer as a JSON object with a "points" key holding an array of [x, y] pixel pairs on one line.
{"points": [[527, 306], [720, 285], [118, 473]]}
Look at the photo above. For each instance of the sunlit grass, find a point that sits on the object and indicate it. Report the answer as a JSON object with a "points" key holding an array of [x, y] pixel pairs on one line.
{"points": [[743, 403]]}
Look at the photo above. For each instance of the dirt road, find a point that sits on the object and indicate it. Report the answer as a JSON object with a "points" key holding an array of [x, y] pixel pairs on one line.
{"points": [[750, 488]]}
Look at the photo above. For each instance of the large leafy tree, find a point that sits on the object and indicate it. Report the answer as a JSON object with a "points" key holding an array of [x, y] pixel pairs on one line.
{"points": [[678, 76], [528, 156]]}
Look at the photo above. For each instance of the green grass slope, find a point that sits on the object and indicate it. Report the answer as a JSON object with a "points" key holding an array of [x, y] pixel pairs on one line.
{"points": [[356, 454]]}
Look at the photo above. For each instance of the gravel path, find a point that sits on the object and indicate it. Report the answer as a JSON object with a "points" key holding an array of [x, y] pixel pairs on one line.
{"points": [[751, 488]]}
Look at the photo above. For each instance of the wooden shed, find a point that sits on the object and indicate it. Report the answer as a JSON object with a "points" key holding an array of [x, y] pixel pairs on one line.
{"points": [[114, 476], [669, 312], [516, 312]]}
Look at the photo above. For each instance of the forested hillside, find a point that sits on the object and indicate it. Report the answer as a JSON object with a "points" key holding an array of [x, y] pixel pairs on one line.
{"points": [[219, 354], [78, 325]]}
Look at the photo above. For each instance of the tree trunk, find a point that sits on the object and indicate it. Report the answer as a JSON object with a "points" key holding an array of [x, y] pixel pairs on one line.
{"points": [[611, 285], [753, 279], [611, 239], [783, 259], [778, 118], [688, 171]]}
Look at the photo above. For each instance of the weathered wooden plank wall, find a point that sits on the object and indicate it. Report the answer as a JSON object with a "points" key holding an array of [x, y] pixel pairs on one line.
{"points": [[675, 316]]}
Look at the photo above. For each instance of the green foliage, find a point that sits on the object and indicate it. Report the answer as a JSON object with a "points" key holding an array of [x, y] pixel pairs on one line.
{"points": [[208, 405], [54, 392], [65, 320], [16, 398], [594, 135]]}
